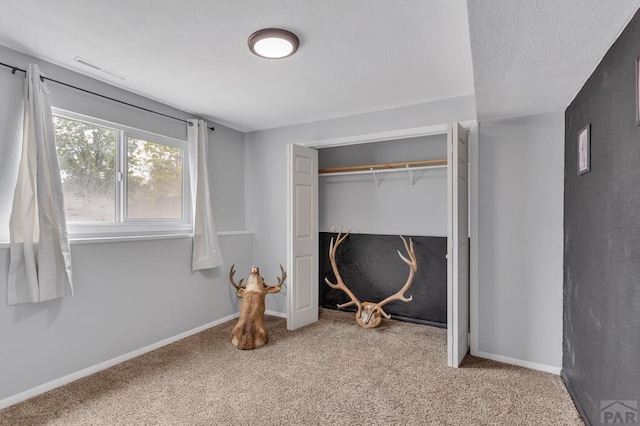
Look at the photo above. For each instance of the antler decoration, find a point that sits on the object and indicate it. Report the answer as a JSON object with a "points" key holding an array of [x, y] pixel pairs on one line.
{"points": [[340, 284], [276, 288], [250, 331], [369, 315], [240, 289]]}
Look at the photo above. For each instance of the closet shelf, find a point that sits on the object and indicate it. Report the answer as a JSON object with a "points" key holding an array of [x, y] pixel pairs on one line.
{"points": [[376, 169], [386, 166]]}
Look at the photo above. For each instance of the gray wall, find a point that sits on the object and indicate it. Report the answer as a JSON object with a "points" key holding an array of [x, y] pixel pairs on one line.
{"points": [[355, 203], [128, 294], [520, 183], [520, 186], [265, 173], [601, 346]]}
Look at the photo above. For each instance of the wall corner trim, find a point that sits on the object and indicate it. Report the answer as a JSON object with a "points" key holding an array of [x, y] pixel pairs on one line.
{"points": [[22, 396], [518, 362]]}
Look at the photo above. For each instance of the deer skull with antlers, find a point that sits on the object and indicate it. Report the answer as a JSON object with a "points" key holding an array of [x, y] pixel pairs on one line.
{"points": [[250, 332], [369, 315]]}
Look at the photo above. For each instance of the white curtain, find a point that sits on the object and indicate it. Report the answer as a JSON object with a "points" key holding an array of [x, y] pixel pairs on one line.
{"points": [[206, 250], [40, 265]]}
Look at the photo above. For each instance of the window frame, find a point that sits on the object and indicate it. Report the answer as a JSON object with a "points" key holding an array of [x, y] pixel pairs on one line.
{"points": [[123, 226]]}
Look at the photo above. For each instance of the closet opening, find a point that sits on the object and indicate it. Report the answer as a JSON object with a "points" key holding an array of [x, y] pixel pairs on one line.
{"points": [[405, 209], [378, 191]]}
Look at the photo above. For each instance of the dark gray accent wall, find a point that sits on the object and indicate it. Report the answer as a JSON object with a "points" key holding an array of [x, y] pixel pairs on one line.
{"points": [[601, 337]]}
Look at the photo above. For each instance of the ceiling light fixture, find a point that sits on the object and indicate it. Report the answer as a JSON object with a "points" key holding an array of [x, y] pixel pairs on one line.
{"points": [[273, 43]]}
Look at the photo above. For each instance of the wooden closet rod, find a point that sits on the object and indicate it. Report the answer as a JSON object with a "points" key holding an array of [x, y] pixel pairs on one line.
{"points": [[384, 166]]}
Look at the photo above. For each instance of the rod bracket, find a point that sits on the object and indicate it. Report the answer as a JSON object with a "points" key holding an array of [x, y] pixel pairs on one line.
{"points": [[410, 172], [375, 177]]}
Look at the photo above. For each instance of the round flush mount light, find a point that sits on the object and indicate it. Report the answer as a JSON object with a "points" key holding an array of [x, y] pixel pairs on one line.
{"points": [[273, 43]]}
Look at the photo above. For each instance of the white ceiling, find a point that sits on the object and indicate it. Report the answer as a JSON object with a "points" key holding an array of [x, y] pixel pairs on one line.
{"points": [[355, 55], [533, 56]]}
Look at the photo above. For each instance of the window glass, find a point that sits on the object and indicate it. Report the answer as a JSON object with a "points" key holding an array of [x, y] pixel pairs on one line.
{"points": [[87, 157], [154, 180], [118, 180]]}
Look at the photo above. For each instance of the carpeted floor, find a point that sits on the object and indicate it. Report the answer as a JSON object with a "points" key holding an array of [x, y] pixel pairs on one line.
{"points": [[329, 373]]}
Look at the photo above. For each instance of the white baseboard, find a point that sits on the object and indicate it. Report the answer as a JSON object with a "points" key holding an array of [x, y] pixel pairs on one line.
{"points": [[275, 314], [22, 396], [518, 362]]}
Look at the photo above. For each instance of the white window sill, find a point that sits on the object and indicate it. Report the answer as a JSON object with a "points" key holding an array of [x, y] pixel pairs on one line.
{"points": [[124, 238], [129, 238]]}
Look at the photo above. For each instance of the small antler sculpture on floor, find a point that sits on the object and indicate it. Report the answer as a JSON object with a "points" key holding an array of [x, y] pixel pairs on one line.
{"points": [[250, 332], [369, 315]]}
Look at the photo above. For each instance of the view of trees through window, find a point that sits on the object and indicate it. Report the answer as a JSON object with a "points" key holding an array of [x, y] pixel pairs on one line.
{"points": [[89, 162], [87, 156], [154, 183]]}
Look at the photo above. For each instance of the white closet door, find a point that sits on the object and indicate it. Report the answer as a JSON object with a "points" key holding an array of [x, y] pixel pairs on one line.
{"points": [[457, 245], [302, 238]]}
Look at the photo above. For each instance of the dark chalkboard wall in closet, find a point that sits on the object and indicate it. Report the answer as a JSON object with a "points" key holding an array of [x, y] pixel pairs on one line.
{"points": [[370, 266]]}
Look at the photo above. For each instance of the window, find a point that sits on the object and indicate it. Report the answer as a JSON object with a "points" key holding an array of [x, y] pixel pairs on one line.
{"points": [[117, 179], [154, 180]]}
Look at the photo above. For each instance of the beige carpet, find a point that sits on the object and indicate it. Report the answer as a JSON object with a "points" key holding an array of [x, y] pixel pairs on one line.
{"points": [[332, 372]]}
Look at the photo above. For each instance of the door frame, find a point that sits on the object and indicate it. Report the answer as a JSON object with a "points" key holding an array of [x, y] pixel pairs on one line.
{"points": [[437, 129]]}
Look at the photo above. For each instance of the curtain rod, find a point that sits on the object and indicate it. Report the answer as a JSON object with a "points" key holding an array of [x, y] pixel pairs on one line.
{"points": [[14, 69]]}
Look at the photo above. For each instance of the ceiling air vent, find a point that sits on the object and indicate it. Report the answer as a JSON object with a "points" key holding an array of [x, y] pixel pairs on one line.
{"points": [[95, 66]]}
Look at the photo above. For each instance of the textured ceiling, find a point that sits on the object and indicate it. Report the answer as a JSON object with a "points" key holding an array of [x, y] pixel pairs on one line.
{"points": [[533, 56], [355, 55]]}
